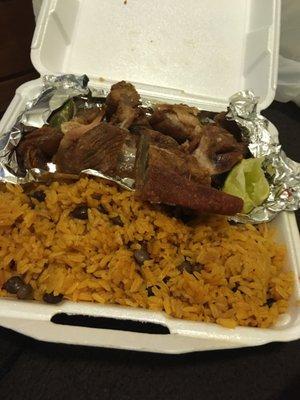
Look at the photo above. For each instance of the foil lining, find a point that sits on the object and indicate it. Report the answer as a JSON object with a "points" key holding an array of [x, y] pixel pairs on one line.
{"points": [[56, 91], [282, 173]]}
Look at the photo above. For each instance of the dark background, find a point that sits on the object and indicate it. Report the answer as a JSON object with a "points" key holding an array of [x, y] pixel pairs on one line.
{"points": [[33, 370]]}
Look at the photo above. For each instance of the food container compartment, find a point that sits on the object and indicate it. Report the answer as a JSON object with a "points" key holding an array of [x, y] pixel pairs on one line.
{"points": [[223, 48]]}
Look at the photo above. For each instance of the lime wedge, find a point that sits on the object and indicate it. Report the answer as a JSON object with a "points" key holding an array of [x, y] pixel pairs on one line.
{"points": [[247, 181]]}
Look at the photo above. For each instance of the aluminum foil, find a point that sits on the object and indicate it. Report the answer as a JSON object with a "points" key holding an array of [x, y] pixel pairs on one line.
{"points": [[283, 174], [56, 91]]}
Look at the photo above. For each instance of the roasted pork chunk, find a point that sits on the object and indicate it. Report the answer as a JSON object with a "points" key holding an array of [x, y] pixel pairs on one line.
{"points": [[218, 151], [38, 147], [162, 178], [103, 148], [122, 104], [178, 121]]}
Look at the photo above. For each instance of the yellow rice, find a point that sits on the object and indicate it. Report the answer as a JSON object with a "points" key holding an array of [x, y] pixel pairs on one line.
{"points": [[92, 260]]}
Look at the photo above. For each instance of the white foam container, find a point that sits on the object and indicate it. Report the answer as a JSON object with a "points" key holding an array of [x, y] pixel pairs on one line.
{"points": [[191, 51]]}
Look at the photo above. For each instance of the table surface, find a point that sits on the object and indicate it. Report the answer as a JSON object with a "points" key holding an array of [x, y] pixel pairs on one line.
{"points": [[34, 370]]}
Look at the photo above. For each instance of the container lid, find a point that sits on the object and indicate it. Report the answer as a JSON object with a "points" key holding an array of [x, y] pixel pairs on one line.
{"points": [[191, 51]]}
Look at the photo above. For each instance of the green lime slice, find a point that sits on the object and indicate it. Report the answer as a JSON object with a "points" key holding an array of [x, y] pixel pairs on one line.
{"points": [[247, 181], [63, 114]]}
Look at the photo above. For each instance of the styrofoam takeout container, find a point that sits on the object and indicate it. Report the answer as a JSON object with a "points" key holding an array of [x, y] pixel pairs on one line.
{"points": [[196, 52]]}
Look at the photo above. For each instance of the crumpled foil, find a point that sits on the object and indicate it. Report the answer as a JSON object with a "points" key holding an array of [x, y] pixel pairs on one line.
{"points": [[283, 174], [56, 91]]}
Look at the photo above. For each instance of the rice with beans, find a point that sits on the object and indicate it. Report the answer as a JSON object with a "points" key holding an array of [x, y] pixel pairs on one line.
{"points": [[126, 252]]}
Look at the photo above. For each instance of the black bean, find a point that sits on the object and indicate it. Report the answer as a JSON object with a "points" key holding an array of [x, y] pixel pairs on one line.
{"points": [[150, 291], [186, 266], [25, 292], [80, 212], [102, 209], [117, 221], [166, 279], [19, 220], [143, 244], [12, 265], [39, 195], [141, 256], [197, 267], [270, 302], [52, 299], [13, 284], [235, 288], [96, 196]]}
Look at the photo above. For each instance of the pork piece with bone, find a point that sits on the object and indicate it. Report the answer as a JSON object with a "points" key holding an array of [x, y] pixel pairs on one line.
{"points": [[105, 148], [229, 124], [122, 104], [218, 151], [183, 164], [178, 121], [141, 121], [161, 177]]}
